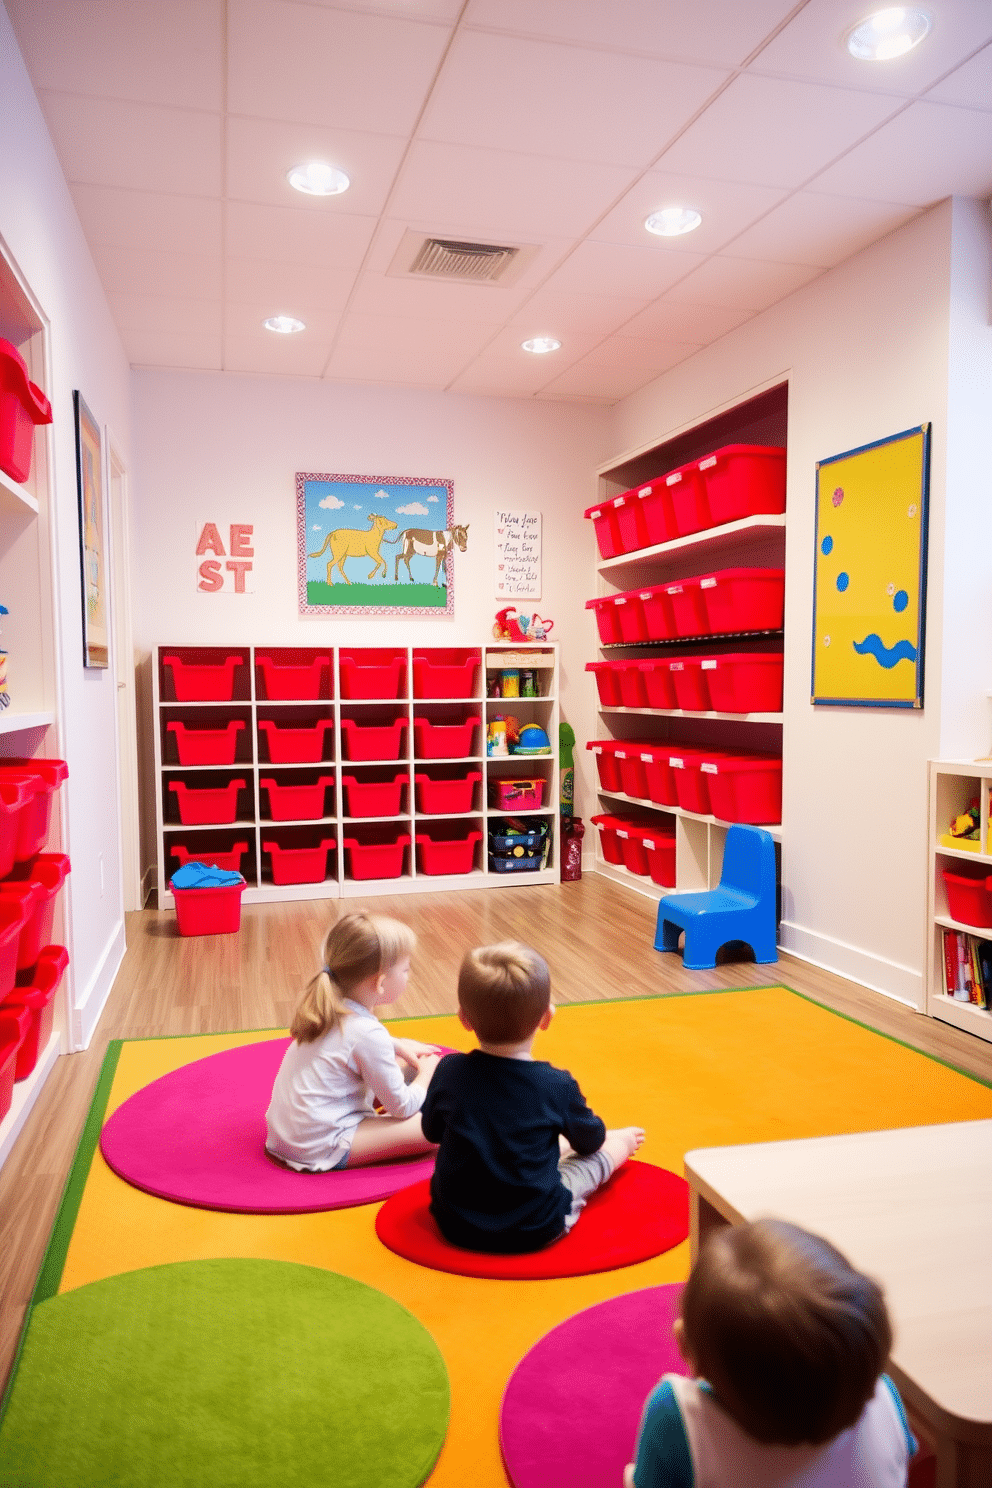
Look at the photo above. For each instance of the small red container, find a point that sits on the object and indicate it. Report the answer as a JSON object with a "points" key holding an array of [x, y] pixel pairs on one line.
{"points": [[689, 684], [37, 997], [517, 795], [213, 806], [633, 693], [607, 674], [446, 855], [445, 674], [297, 682], [444, 797], [206, 746], [744, 787], [201, 682], [14, 913], [38, 890], [691, 786], [607, 763], [230, 860], [366, 675], [13, 1026], [689, 617], [295, 746], [372, 741], [609, 841], [374, 797], [445, 740], [659, 622], [604, 518], [22, 406], [632, 850], [969, 897], [296, 802], [36, 818], [745, 682], [659, 775], [743, 599], [655, 502], [687, 491], [629, 514], [660, 850], [744, 480], [17, 795], [294, 865], [607, 619], [657, 683], [377, 859], [630, 613], [633, 781], [214, 911]]}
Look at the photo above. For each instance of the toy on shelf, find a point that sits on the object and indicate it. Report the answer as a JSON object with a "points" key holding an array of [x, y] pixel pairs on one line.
{"points": [[531, 739], [502, 735], [510, 626], [965, 831]]}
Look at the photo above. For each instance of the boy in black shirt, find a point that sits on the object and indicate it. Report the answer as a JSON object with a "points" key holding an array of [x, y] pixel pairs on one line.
{"points": [[503, 1182]]}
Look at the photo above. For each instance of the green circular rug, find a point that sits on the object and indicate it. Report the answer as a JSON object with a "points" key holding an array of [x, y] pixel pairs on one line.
{"points": [[234, 1373]]}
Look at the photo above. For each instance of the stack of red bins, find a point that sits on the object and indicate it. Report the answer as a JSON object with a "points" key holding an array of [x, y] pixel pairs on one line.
{"points": [[31, 879]]}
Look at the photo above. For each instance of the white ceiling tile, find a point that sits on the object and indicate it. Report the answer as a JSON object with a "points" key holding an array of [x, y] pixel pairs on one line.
{"points": [[183, 350], [821, 230], [548, 311], [150, 271], [692, 324], [928, 152], [412, 10], [170, 54], [637, 354], [421, 299], [288, 288], [146, 219], [813, 46], [709, 31], [741, 284], [424, 353], [726, 207], [969, 86], [166, 315], [283, 234], [334, 67], [644, 273], [774, 132], [261, 153], [107, 143], [504, 93], [499, 193], [249, 347], [601, 384], [505, 365]]}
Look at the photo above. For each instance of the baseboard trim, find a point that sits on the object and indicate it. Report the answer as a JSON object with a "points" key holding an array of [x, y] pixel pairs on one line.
{"points": [[902, 983], [86, 1013]]}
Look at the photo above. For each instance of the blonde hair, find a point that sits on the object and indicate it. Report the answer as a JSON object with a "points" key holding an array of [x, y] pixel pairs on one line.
{"points": [[504, 991], [357, 947]]}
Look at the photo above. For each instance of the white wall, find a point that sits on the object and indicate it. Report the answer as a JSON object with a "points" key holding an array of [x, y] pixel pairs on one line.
{"points": [[865, 348], [39, 225], [226, 447]]}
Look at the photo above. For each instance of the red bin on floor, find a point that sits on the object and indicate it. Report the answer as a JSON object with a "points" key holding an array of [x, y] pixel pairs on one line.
{"points": [[660, 849], [209, 911]]}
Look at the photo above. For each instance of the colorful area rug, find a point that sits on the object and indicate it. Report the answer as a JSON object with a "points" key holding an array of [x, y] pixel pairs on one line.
{"points": [[696, 1071]]}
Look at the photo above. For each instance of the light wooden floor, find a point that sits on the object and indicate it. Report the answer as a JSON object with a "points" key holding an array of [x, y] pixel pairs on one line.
{"points": [[596, 935]]}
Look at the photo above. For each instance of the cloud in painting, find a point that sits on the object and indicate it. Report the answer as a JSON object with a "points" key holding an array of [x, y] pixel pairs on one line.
{"points": [[316, 527], [434, 498], [415, 509], [330, 503]]}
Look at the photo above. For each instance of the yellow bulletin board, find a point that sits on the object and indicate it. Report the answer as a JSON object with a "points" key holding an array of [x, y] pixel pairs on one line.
{"points": [[870, 573]]}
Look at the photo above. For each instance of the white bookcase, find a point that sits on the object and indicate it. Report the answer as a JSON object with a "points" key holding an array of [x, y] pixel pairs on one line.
{"points": [[952, 784]]}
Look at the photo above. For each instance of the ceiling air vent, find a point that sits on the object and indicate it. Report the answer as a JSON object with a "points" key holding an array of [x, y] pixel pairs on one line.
{"points": [[460, 262]]}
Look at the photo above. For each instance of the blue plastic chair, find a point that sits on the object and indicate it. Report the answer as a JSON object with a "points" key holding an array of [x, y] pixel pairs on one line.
{"points": [[742, 908]]}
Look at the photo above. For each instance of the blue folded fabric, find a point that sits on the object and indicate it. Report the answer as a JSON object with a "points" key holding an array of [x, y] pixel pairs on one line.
{"points": [[203, 876]]}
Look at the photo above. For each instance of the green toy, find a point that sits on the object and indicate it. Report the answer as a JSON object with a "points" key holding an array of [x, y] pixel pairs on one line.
{"points": [[566, 767]]}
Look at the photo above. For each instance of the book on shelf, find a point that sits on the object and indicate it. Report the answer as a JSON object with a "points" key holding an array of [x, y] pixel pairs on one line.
{"points": [[967, 968]]}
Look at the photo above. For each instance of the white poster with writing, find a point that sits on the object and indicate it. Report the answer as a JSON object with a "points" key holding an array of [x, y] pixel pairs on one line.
{"points": [[518, 555], [224, 557]]}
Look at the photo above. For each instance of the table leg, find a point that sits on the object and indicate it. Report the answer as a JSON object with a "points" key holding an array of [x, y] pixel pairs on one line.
{"points": [[703, 1217]]}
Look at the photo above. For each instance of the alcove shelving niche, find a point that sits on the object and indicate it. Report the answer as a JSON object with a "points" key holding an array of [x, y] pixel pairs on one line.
{"points": [[751, 542]]}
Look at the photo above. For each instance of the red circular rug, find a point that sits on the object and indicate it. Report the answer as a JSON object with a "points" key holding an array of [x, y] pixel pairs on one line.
{"points": [[642, 1211], [197, 1136], [573, 1404]]}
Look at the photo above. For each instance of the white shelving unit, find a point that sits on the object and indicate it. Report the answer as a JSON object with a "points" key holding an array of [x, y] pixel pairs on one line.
{"points": [[254, 826], [952, 784], [756, 541]]}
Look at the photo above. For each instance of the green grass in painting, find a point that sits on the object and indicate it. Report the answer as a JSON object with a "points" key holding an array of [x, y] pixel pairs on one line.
{"points": [[420, 596]]}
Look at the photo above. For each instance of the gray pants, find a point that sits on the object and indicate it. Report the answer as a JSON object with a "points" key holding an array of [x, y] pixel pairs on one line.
{"points": [[582, 1176]]}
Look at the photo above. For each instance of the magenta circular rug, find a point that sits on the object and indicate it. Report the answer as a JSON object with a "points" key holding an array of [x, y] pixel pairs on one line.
{"points": [[573, 1404], [197, 1136]]}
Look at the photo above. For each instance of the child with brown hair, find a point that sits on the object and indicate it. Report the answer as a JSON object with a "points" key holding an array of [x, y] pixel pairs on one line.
{"points": [[503, 1181], [787, 1343], [342, 1060]]}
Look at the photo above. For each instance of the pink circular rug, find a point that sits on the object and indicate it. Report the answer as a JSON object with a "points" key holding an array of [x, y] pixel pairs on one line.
{"points": [[573, 1404], [197, 1136]]}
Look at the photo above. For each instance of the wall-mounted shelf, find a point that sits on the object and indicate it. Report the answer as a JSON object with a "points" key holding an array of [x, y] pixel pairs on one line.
{"points": [[728, 538], [16, 500]]}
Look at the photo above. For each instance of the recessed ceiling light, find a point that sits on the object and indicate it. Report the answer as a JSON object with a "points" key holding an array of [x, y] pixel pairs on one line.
{"points": [[672, 222], [284, 325], [538, 345], [316, 178], [888, 33]]}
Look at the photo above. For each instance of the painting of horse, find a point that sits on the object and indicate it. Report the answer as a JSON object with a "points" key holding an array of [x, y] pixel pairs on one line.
{"points": [[352, 542], [437, 545]]}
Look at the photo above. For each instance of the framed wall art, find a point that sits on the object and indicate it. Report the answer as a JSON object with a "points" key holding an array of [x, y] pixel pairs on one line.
{"points": [[93, 576]]}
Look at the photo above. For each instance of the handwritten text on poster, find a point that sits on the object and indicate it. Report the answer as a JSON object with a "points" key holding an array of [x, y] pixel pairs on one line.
{"points": [[518, 555]]}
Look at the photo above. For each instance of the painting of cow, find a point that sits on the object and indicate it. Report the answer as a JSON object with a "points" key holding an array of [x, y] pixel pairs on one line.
{"points": [[419, 541]]}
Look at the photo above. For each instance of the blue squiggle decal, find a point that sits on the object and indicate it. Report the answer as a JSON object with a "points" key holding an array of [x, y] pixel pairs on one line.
{"points": [[886, 656]]}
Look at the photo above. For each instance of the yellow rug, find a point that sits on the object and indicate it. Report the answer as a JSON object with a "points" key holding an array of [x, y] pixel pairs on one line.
{"points": [[713, 1069]]}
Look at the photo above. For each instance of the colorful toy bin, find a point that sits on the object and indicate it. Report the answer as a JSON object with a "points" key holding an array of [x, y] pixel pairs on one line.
{"points": [[209, 911]]}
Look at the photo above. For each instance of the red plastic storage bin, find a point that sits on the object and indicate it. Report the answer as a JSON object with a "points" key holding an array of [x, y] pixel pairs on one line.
{"points": [[660, 850], [445, 673], [32, 833], [22, 406], [633, 693], [438, 797], [691, 786], [689, 684], [517, 795], [632, 778], [444, 740], [607, 676], [295, 746], [745, 682], [37, 997], [632, 850], [659, 622], [298, 681], [372, 741], [607, 619], [374, 797], [229, 860], [377, 859], [215, 805], [659, 775], [687, 492], [38, 891], [742, 599], [203, 682], [744, 480], [13, 1026], [446, 855], [657, 683], [296, 802], [366, 675], [655, 503], [294, 865], [689, 616], [206, 746], [215, 911], [969, 896], [745, 787], [631, 528], [17, 795], [630, 615], [13, 917], [607, 764], [604, 519], [609, 842]]}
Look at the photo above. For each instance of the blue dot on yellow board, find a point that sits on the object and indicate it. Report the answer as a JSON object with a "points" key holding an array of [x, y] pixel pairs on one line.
{"points": [[900, 600], [843, 580], [827, 546]]}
